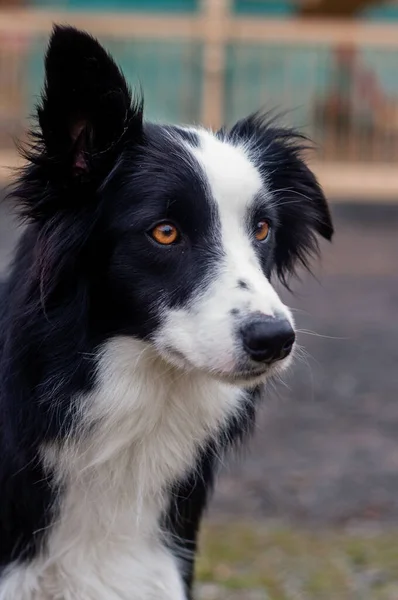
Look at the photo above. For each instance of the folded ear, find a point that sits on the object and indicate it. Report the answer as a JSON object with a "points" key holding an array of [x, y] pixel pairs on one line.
{"points": [[303, 211], [301, 207], [86, 104]]}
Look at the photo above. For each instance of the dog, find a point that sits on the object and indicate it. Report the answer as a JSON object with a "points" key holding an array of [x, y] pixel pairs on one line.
{"points": [[138, 328]]}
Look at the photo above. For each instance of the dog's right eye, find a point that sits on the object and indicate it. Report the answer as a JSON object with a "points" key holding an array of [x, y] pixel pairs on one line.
{"points": [[165, 234]]}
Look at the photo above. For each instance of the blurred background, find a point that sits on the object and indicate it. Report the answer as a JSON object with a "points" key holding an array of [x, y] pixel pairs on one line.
{"points": [[310, 510]]}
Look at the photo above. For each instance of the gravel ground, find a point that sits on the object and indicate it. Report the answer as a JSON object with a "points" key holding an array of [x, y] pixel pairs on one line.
{"points": [[326, 446]]}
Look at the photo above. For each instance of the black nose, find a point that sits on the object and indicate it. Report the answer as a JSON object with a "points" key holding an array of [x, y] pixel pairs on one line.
{"points": [[268, 339]]}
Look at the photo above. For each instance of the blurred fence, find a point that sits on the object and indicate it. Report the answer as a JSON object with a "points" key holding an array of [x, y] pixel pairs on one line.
{"points": [[338, 81]]}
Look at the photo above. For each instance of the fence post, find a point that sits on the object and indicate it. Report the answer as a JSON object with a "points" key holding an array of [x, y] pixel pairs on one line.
{"points": [[216, 14]]}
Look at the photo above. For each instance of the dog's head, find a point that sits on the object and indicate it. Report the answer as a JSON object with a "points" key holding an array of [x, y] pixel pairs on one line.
{"points": [[175, 231]]}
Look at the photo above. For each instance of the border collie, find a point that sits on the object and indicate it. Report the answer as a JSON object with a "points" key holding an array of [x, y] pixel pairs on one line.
{"points": [[138, 327]]}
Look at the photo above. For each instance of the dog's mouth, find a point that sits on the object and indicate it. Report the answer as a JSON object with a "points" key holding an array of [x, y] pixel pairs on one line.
{"points": [[244, 378], [240, 376]]}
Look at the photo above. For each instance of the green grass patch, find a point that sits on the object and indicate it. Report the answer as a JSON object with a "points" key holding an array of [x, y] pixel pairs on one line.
{"points": [[300, 564]]}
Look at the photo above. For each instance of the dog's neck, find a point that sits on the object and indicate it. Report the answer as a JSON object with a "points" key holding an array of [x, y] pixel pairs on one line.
{"points": [[141, 429]]}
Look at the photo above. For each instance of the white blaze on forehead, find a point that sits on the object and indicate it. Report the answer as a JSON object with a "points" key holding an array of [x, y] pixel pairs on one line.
{"points": [[233, 179], [233, 182]]}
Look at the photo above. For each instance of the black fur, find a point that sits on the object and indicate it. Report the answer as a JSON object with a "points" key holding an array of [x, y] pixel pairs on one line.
{"points": [[97, 178]]}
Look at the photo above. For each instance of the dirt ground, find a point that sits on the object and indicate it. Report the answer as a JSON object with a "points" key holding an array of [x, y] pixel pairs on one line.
{"points": [[326, 446]]}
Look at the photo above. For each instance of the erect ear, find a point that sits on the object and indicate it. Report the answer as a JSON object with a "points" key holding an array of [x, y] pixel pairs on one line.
{"points": [[301, 207], [86, 103]]}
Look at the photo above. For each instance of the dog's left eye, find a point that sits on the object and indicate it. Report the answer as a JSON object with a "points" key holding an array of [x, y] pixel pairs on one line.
{"points": [[165, 234], [261, 230]]}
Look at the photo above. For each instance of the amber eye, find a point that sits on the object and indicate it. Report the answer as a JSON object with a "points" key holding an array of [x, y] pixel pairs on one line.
{"points": [[261, 231], [165, 234]]}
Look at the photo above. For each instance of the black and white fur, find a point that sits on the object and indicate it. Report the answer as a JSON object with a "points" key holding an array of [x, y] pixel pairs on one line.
{"points": [[122, 373]]}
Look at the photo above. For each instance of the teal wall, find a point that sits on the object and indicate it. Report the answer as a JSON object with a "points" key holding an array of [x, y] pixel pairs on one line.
{"points": [[386, 12], [183, 6], [269, 8], [264, 7], [270, 77], [170, 74]]}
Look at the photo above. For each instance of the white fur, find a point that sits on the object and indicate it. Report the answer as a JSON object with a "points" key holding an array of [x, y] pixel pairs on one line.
{"points": [[202, 335], [143, 425]]}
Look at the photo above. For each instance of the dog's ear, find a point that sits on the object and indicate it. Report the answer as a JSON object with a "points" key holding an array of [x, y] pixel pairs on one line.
{"points": [[86, 104], [301, 207]]}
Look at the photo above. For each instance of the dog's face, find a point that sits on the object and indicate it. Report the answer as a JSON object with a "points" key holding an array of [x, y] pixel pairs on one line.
{"points": [[186, 226], [193, 251]]}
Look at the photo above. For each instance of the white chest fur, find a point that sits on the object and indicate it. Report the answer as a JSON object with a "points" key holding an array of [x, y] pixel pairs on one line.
{"points": [[142, 427]]}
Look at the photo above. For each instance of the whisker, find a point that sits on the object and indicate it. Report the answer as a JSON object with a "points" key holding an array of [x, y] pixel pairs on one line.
{"points": [[321, 335]]}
